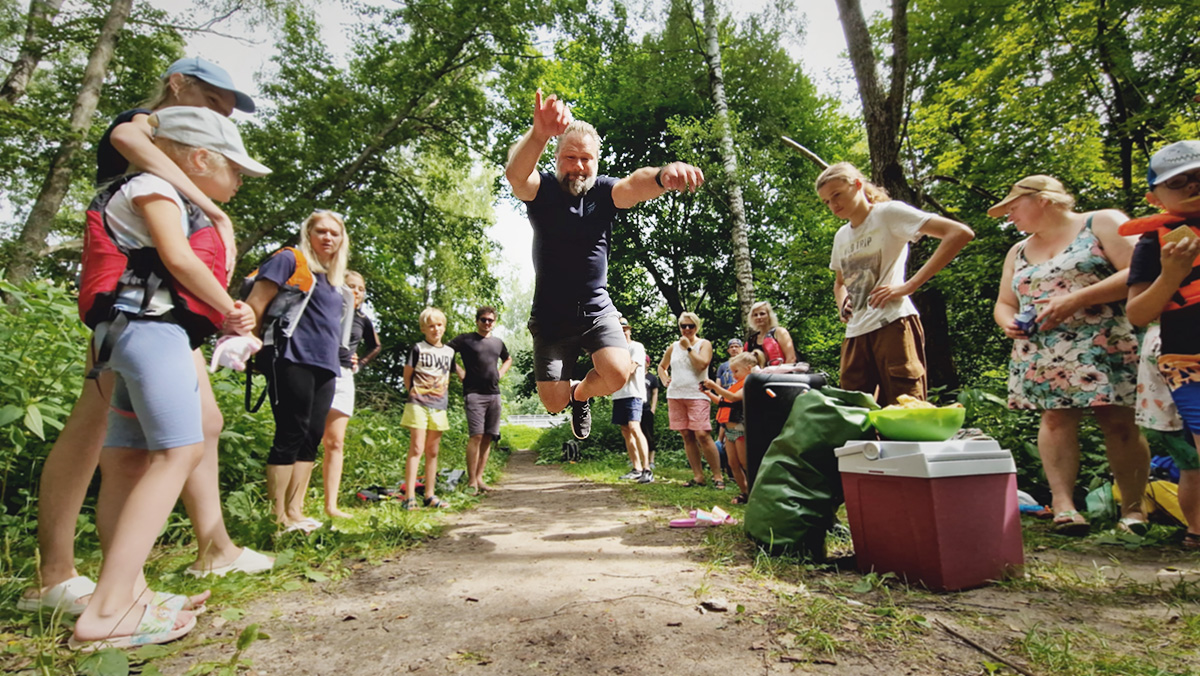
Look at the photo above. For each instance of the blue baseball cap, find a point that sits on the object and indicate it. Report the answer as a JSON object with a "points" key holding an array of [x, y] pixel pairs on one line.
{"points": [[212, 74], [1173, 160]]}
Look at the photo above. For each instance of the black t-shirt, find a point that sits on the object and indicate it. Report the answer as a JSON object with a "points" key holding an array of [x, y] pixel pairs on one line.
{"points": [[652, 385], [571, 241], [111, 164], [481, 359], [361, 331], [1180, 328]]}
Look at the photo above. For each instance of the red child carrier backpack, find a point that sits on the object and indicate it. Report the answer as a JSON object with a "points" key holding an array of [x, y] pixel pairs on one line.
{"points": [[108, 268]]}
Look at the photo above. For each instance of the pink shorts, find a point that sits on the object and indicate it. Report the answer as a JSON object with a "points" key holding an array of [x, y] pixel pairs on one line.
{"points": [[690, 414]]}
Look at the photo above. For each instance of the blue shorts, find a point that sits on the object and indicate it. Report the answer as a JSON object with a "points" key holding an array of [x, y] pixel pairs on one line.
{"points": [[155, 403], [1187, 400], [627, 410]]}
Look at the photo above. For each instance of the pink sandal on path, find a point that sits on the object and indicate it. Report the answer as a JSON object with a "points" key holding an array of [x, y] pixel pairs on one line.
{"points": [[701, 519]]}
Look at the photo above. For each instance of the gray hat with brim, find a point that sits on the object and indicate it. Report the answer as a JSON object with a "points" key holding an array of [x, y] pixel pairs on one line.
{"points": [[214, 75], [1173, 160], [204, 128]]}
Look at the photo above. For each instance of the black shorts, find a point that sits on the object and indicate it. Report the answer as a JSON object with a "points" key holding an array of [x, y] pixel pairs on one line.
{"points": [[559, 343]]}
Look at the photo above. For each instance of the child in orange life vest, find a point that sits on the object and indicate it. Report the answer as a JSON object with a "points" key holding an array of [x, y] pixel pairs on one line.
{"points": [[1164, 283], [735, 429], [155, 434], [427, 379]]}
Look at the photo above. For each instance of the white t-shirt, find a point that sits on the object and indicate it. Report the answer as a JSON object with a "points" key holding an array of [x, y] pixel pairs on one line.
{"points": [[875, 253], [636, 385], [129, 228], [685, 378]]}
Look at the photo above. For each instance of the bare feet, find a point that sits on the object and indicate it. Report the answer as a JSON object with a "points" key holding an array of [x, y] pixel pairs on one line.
{"points": [[123, 623], [335, 513]]}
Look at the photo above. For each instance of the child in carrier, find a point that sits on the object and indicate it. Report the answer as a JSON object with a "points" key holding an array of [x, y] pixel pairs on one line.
{"points": [[734, 418], [427, 378], [155, 434]]}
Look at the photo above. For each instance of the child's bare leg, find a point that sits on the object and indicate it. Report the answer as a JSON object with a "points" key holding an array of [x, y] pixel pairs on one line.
{"points": [[143, 485], [416, 443], [433, 440], [736, 452], [334, 443]]}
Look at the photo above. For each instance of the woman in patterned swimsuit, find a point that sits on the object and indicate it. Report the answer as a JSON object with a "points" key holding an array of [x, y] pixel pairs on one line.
{"points": [[1082, 352]]}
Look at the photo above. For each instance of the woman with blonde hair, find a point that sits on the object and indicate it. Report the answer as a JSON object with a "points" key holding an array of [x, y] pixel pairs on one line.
{"points": [[768, 337], [884, 347], [683, 369], [1074, 350], [303, 366]]}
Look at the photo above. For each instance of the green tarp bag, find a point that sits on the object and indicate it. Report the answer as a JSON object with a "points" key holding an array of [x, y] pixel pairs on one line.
{"points": [[798, 488]]}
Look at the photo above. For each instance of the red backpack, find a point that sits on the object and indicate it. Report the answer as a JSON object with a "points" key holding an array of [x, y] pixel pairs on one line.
{"points": [[108, 268]]}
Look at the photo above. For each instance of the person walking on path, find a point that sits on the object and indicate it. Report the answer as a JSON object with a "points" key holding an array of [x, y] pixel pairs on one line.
{"points": [[572, 213], [427, 379], [627, 410], [481, 352], [684, 368]]}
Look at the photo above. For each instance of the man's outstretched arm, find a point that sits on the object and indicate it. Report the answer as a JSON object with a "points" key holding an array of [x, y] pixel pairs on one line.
{"points": [[550, 118], [650, 182]]}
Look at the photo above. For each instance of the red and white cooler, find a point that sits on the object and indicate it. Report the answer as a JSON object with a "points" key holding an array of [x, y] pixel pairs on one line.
{"points": [[943, 514]]}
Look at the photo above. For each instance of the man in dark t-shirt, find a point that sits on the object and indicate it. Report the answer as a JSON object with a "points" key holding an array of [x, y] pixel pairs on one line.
{"points": [[572, 213], [481, 352]]}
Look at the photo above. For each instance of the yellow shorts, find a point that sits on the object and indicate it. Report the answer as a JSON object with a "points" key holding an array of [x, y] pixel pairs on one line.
{"points": [[420, 417]]}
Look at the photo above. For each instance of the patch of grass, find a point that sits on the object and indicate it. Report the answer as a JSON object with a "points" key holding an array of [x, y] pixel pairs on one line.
{"points": [[1082, 651], [520, 437]]}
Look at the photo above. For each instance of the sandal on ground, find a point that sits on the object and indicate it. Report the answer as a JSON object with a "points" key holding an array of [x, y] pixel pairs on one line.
{"points": [[436, 503], [1071, 523], [410, 504], [700, 518], [1191, 541], [156, 626], [307, 526], [692, 483], [63, 597], [1133, 526], [180, 601], [741, 499], [249, 562], [718, 484]]}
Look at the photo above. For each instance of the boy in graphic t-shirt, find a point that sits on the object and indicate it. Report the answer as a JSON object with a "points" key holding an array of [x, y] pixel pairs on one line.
{"points": [[427, 378]]}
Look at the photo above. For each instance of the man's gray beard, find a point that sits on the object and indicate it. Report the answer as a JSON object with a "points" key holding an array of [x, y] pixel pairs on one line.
{"points": [[577, 186]]}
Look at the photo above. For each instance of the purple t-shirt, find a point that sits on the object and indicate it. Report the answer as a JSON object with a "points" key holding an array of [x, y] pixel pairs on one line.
{"points": [[318, 334], [571, 241]]}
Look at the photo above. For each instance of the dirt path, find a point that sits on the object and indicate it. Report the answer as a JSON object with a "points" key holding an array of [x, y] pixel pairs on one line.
{"points": [[554, 575], [549, 574]]}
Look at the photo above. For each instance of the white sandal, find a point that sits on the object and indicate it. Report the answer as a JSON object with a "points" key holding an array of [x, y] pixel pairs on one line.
{"points": [[249, 561], [63, 597]]}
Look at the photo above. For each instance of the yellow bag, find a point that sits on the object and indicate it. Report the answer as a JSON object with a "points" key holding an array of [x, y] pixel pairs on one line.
{"points": [[1162, 497]]}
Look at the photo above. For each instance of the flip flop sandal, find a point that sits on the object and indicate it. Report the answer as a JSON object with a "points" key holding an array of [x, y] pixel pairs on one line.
{"points": [[740, 499], [1071, 523], [436, 503], [719, 485], [1133, 526], [410, 504], [156, 626], [698, 518], [692, 483], [63, 597], [249, 562]]}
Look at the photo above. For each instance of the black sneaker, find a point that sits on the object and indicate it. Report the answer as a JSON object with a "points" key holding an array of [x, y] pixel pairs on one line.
{"points": [[631, 475], [646, 478], [581, 417]]}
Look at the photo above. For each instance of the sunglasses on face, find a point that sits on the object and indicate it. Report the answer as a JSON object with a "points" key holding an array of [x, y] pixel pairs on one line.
{"points": [[687, 326], [486, 320], [1179, 182]]}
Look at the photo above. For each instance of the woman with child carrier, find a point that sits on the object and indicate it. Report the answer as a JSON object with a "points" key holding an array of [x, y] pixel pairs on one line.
{"points": [[1061, 301], [69, 467], [303, 317]]}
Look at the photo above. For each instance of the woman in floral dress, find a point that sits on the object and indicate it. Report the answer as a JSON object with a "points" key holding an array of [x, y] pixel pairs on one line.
{"points": [[1081, 352]]}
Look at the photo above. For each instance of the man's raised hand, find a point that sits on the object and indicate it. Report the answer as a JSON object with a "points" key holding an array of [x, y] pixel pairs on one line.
{"points": [[681, 176], [550, 116]]}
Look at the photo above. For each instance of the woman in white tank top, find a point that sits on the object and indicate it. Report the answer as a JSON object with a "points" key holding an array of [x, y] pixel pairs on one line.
{"points": [[682, 369]]}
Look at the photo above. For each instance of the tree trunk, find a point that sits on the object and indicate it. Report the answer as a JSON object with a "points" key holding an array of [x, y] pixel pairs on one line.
{"points": [[737, 210], [883, 114], [32, 242], [41, 17]]}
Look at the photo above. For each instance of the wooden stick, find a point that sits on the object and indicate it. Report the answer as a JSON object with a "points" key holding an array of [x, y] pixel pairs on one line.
{"points": [[816, 159], [982, 649]]}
